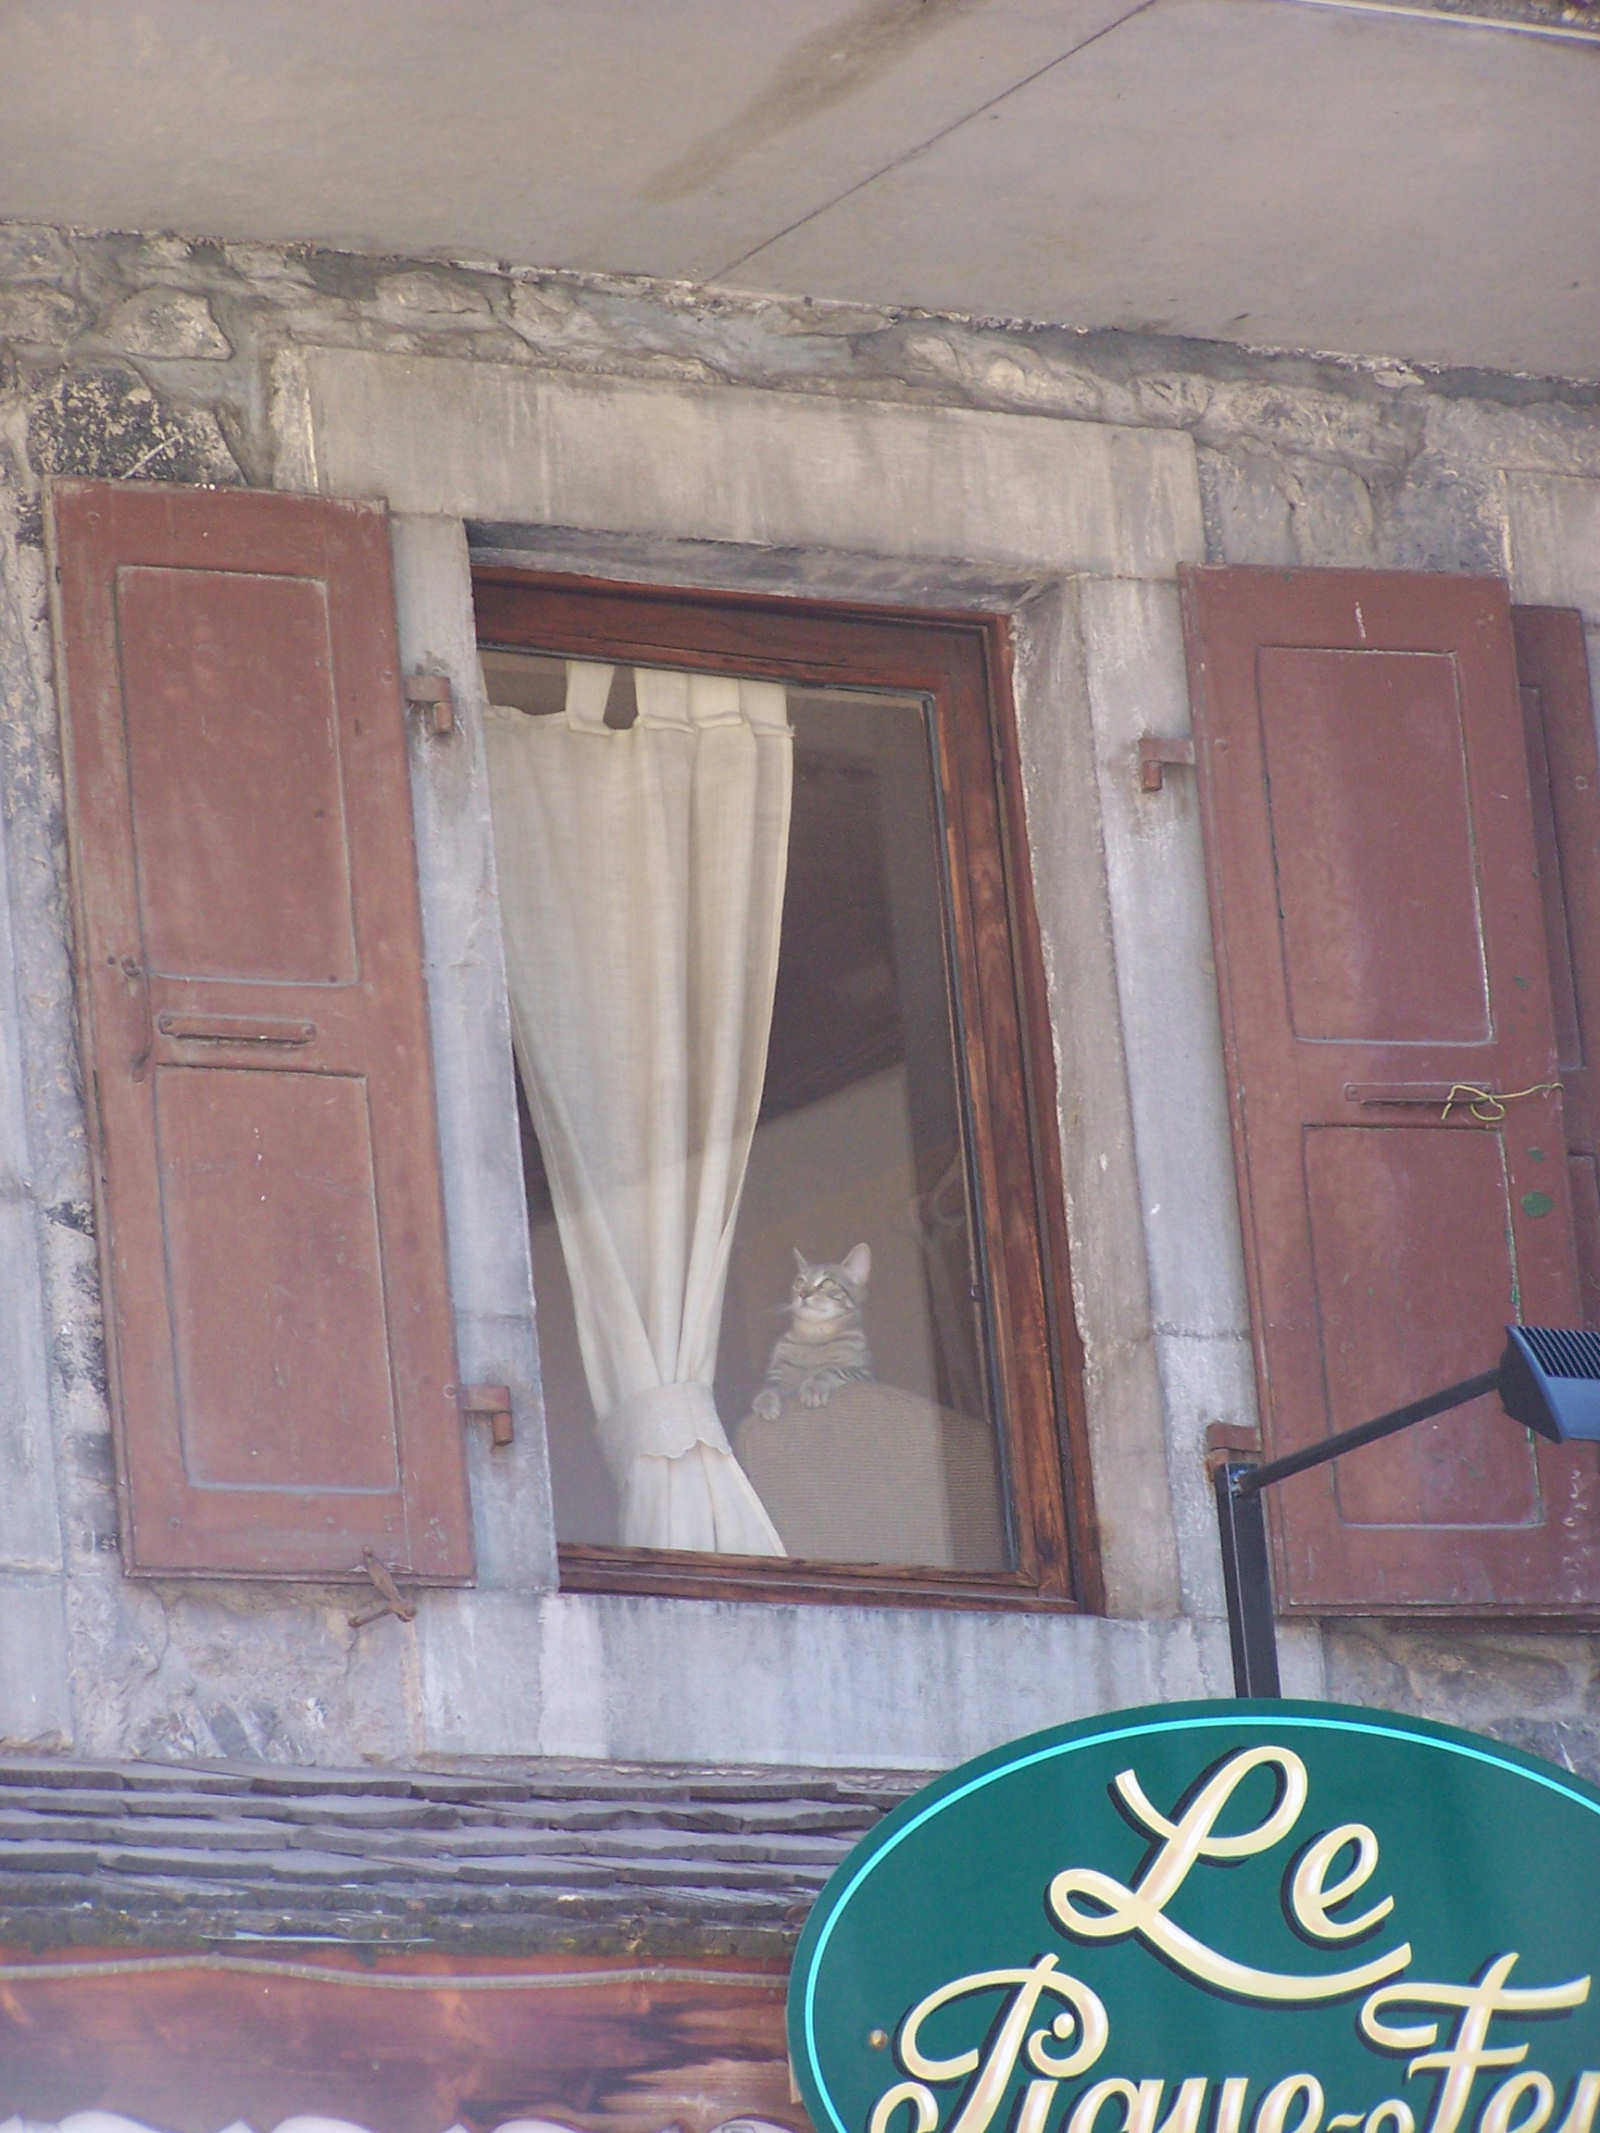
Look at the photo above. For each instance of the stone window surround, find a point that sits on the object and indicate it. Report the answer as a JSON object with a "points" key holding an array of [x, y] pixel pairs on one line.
{"points": [[1076, 530], [1072, 527]]}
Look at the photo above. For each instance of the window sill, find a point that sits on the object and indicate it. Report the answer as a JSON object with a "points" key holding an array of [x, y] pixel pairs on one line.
{"points": [[687, 1574]]}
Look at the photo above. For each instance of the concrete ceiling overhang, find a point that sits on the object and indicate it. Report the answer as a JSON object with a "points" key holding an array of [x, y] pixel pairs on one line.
{"points": [[1354, 177]]}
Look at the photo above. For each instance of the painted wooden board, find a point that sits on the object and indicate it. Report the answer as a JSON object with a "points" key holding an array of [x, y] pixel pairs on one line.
{"points": [[397, 2047], [1381, 954], [249, 962]]}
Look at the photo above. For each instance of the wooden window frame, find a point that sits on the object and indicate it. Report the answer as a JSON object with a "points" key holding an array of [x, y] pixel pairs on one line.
{"points": [[962, 662]]}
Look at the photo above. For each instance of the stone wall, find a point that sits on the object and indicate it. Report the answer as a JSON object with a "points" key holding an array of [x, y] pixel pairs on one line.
{"points": [[157, 358], [129, 357]]}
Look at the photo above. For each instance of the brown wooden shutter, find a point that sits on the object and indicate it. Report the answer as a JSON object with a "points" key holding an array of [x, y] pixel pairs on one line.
{"points": [[1558, 710], [1372, 863], [250, 984]]}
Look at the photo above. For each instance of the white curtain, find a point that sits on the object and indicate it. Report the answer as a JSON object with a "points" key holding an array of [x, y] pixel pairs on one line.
{"points": [[641, 888]]}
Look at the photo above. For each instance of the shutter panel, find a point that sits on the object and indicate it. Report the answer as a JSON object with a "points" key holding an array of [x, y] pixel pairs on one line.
{"points": [[251, 999], [1372, 866], [1558, 712]]}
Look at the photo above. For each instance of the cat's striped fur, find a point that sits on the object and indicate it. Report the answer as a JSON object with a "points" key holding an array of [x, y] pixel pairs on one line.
{"points": [[825, 1345]]}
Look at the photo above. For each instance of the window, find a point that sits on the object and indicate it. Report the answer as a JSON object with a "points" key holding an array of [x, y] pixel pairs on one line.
{"points": [[1402, 859], [865, 959], [283, 1380]]}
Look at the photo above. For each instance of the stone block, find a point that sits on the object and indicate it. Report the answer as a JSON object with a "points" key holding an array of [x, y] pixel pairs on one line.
{"points": [[1362, 1668], [163, 258], [1331, 517], [468, 1009], [1176, 399], [654, 1680], [436, 299], [30, 1531], [1550, 436], [168, 325], [502, 1674], [1302, 1670], [33, 251], [36, 312], [512, 1516], [486, 1218], [1246, 511], [104, 421], [485, 441], [1570, 1743], [30, 1526], [266, 266], [35, 1690], [1553, 533], [676, 1683], [1446, 514], [1203, 1380], [1470, 1677], [1161, 927], [200, 1671], [1304, 421], [1105, 1222]]}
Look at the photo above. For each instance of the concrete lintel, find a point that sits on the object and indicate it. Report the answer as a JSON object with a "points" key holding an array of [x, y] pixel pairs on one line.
{"points": [[490, 441]]}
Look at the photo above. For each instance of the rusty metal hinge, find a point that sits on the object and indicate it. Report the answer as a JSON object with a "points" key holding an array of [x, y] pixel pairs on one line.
{"points": [[490, 1403], [1158, 754], [394, 1600], [431, 693]]}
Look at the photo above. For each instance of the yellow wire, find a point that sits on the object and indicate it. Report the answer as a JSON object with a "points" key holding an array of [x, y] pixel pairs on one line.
{"points": [[1487, 1107]]}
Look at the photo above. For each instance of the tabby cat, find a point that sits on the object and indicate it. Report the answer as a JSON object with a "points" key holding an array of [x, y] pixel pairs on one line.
{"points": [[825, 1344]]}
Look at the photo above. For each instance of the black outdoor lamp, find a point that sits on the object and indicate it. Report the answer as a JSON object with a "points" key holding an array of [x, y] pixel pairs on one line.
{"points": [[1548, 1379]]}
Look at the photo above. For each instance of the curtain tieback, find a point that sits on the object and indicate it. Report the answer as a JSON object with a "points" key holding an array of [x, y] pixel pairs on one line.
{"points": [[662, 1422]]}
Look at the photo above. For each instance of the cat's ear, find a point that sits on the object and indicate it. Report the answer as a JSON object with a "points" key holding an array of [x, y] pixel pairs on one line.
{"points": [[801, 1263], [857, 1265]]}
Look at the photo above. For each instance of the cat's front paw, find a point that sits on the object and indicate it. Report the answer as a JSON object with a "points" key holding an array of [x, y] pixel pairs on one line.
{"points": [[814, 1392], [767, 1404]]}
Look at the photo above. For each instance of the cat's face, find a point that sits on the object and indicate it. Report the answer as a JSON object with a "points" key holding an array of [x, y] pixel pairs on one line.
{"points": [[823, 1295]]}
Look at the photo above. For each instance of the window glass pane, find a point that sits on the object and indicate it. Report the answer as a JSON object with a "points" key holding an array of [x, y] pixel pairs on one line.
{"points": [[855, 1388]]}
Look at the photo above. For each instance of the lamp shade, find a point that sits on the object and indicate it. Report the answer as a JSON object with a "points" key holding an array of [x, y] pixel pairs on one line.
{"points": [[1550, 1381]]}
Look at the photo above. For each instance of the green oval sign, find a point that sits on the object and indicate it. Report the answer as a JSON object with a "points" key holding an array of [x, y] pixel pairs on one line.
{"points": [[1215, 1918]]}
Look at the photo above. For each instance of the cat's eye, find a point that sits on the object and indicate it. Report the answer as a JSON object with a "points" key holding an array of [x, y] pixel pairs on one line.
{"points": [[763, 958]]}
